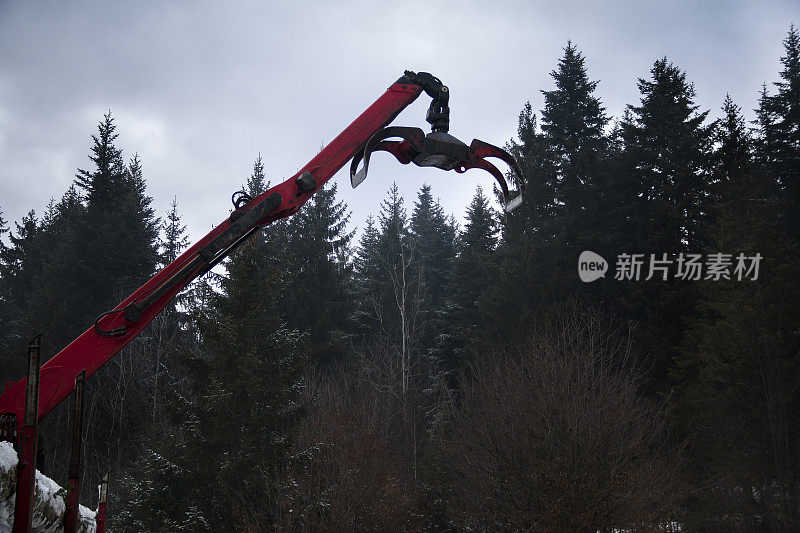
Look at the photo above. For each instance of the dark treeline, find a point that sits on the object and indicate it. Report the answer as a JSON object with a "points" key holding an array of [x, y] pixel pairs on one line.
{"points": [[432, 375]]}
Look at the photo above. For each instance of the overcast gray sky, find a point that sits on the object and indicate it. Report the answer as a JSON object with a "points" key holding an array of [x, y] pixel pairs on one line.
{"points": [[198, 89]]}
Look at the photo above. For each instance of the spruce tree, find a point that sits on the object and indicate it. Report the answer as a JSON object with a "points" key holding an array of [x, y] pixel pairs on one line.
{"points": [[474, 266], [6, 313], [84, 255], [389, 291], [257, 181], [106, 250], [665, 163], [533, 218], [17, 269], [780, 126], [167, 333], [21, 258], [526, 250], [433, 241], [319, 267], [60, 277], [120, 249], [736, 381], [245, 387], [399, 288], [174, 239], [218, 466], [368, 279], [666, 147], [566, 208], [573, 120]]}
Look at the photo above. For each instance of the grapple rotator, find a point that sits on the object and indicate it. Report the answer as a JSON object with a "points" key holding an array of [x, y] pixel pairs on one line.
{"points": [[437, 149]]}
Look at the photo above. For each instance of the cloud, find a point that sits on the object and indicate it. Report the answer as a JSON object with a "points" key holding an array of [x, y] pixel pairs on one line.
{"points": [[200, 89]]}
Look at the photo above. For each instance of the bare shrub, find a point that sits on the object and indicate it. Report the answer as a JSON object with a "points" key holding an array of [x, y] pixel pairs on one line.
{"points": [[555, 437], [344, 474]]}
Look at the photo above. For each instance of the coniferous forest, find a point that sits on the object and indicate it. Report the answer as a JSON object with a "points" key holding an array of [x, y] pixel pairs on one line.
{"points": [[423, 373]]}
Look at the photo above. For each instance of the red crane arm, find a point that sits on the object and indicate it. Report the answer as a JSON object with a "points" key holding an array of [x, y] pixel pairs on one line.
{"points": [[115, 329], [368, 133]]}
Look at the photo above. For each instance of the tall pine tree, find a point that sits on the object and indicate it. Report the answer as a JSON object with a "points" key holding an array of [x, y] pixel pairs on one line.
{"points": [[318, 246], [736, 377], [780, 129], [666, 168], [433, 237], [573, 122], [18, 262], [174, 239], [368, 279], [390, 291], [473, 268], [666, 147], [218, 467], [6, 313], [120, 249], [565, 211]]}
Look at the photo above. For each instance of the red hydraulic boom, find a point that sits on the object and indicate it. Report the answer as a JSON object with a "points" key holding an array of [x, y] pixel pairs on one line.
{"points": [[368, 133]]}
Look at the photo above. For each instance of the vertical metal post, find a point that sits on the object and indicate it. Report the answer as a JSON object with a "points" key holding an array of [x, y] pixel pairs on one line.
{"points": [[74, 482], [26, 467], [100, 517]]}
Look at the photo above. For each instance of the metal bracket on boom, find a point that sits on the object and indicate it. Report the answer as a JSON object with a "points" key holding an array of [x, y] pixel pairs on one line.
{"points": [[205, 259]]}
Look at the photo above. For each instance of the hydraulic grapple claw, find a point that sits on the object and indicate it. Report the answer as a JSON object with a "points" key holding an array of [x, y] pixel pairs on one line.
{"points": [[441, 150]]}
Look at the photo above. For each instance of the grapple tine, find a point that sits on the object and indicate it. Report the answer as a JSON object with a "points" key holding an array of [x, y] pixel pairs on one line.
{"points": [[413, 140], [514, 203], [482, 164], [478, 150], [358, 177]]}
